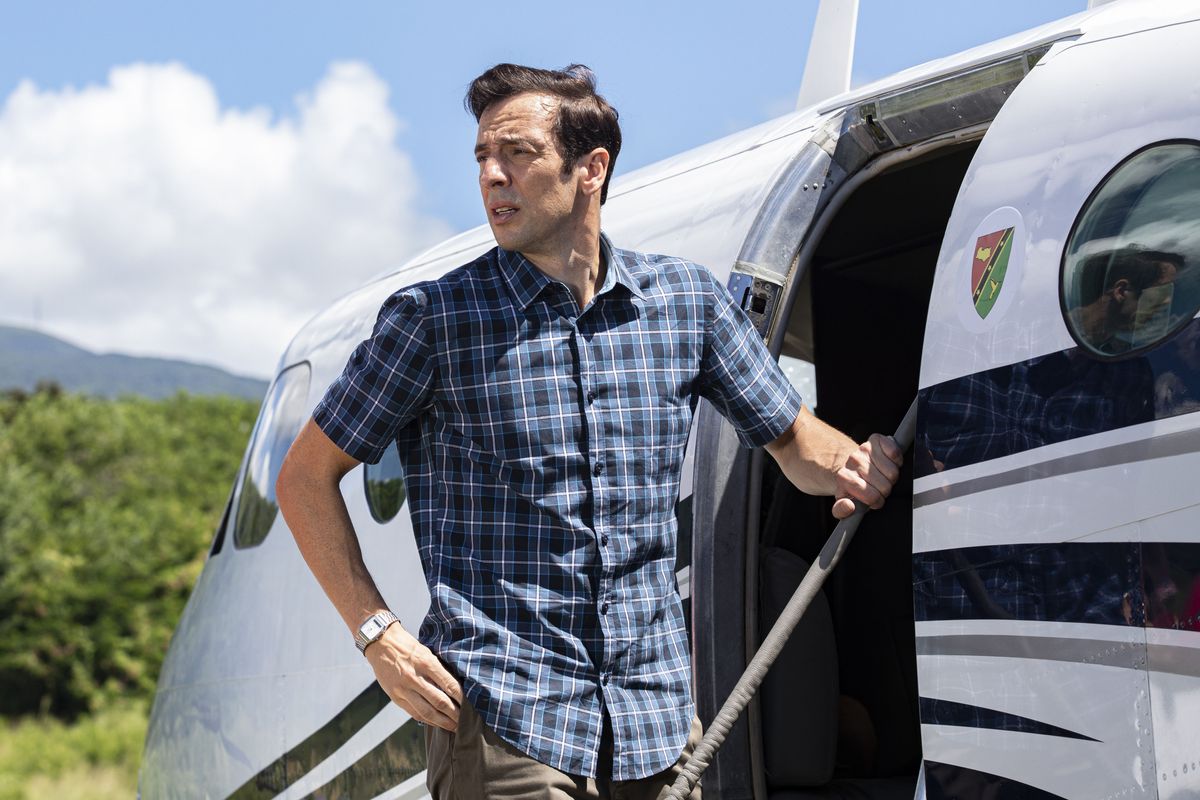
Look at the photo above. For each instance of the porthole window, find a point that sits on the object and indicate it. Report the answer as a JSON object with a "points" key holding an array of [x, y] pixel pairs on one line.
{"points": [[384, 485], [1130, 277], [283, 412]]}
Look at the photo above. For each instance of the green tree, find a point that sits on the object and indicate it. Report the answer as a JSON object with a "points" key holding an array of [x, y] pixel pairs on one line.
{"points": [[106, 511]]}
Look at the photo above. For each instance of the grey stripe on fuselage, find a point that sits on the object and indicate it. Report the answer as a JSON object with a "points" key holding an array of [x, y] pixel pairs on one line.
{"points": [[1172, 659], [1171, 444]]}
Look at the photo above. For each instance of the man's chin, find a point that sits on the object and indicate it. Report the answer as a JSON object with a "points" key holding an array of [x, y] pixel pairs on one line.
{"points": [[505, 238]]}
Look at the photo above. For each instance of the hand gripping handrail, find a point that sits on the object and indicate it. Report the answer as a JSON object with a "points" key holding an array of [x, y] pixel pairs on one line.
{"points": [[739, 698]]}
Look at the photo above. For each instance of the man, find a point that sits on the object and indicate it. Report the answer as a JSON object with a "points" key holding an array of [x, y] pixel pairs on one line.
{"points": [[541, 398], [1125, 298]]}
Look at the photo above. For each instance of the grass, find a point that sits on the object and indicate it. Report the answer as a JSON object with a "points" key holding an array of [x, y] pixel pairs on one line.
{"points": [[94, 758]]}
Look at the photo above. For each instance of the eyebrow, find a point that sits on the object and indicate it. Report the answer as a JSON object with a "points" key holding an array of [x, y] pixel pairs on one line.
{"points": [[507, 138]]}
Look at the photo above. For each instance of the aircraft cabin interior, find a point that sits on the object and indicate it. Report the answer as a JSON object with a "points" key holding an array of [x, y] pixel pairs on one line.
{"points": [[838, 714]]}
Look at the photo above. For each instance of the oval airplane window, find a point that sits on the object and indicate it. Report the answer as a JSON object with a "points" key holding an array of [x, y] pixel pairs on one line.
{"points": [[282, 415], [1130, 275], [384, 485]]}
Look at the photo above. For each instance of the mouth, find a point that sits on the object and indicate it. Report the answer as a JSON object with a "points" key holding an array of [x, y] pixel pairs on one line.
{"points": [[502, 213]]}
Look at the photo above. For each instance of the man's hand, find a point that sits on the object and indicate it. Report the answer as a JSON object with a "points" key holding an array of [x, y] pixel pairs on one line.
{"points": [[819, 459], [868, 475], [414, 678]]}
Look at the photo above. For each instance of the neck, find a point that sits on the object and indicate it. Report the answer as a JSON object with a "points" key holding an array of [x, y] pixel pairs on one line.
{"points": [[575, 259], [1094, 321]]}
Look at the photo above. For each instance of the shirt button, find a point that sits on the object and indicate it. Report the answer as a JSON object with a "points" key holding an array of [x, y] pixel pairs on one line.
{"points": [[604, 678], [604, 607], [604, 539], [598, 470], [591, 396]]}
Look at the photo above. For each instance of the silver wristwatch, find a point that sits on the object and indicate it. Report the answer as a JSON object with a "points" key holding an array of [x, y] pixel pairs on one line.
{"points": [[372, 628]]}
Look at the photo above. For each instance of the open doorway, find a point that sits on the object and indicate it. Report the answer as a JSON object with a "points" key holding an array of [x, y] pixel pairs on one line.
{"points": [[838, 713]]}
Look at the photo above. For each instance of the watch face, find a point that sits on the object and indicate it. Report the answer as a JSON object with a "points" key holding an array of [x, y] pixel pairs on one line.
{"points": [[371, 628]]}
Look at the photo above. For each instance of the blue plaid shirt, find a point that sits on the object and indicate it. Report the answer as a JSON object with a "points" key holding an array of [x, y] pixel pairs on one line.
{"points": [[542, 449]]}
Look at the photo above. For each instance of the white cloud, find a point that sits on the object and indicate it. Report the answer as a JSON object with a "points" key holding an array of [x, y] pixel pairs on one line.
{"points": [[142, 217]]}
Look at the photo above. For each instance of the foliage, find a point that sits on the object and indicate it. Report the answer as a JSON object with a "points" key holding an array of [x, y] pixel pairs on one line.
{"points": [[96, 757], [106, 511], [386, 496]]}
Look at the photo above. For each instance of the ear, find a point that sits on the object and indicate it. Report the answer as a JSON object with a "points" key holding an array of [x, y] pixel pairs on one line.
{"points": [[593, 169], [1121, 288]]}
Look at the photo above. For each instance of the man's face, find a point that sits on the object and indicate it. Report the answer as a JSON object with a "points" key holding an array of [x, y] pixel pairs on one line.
{"points": [[528, 199], [1142, 315]]}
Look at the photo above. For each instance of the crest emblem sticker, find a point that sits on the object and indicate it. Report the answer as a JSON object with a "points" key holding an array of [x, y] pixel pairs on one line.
{"points": [[990, 278], [988, 269]]}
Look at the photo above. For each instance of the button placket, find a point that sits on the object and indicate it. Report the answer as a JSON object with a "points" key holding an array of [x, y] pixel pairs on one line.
{"points": [[594, 427], [594, 424]]}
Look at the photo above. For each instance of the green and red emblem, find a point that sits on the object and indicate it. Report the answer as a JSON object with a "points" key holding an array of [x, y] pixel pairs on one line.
{"points": [[988, 268]]}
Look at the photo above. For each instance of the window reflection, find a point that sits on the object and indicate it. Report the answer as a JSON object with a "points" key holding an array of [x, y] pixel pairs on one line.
{"points": [[283, 412], [384, 485], [1070, 582], [1150, 584], [1171, 585], [1128, 271]]}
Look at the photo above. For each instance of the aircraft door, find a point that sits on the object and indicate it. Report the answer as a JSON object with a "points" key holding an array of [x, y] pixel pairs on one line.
{"points": [[1055, 553], [725, 472]]}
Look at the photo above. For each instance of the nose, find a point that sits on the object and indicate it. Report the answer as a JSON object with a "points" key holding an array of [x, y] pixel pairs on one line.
{"points": [[491, 173]]}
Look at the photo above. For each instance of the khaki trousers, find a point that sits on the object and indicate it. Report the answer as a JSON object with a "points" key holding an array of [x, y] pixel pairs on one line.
{"points": [[476, 764]]}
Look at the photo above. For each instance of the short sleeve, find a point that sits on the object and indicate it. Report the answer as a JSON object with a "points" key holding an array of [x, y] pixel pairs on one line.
{"points": [[739, 376], [387, 382]]}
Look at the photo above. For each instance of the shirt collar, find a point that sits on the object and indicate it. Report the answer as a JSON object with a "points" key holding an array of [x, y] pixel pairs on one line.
{"points": [[618, 268], [526, 281]]}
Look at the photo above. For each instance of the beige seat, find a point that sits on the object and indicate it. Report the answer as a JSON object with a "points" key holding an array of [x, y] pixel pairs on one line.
{"points": [[809, 730]]}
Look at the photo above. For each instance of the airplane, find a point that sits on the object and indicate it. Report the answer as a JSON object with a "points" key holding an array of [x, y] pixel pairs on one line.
{"points": [[1010, 234]]}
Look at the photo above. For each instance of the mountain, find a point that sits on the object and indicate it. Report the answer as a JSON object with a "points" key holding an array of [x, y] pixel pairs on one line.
{"points": [[27, 357]]}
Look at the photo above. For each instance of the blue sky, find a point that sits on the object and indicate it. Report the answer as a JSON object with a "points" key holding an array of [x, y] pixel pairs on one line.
{"points": [[681, 74]]}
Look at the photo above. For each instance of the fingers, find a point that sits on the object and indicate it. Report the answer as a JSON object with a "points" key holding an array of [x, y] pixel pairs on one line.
{"points": [[869, 474], [420, 709], [436, 696], [889, 453], [448, 684], [424, 700], [843, 508], [415, 679]]}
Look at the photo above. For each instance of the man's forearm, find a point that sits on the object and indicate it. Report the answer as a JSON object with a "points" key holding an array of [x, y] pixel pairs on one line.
{"points": [[810, 453], [316, 514], [313, 507]]}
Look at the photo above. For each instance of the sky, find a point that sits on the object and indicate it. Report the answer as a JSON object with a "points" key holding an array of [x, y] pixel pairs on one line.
{"points": [[197, 180]]}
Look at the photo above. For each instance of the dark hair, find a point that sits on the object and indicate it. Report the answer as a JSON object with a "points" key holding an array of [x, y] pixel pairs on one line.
{"points": [[584, 120], [1140, 267], [1163, 257]]}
